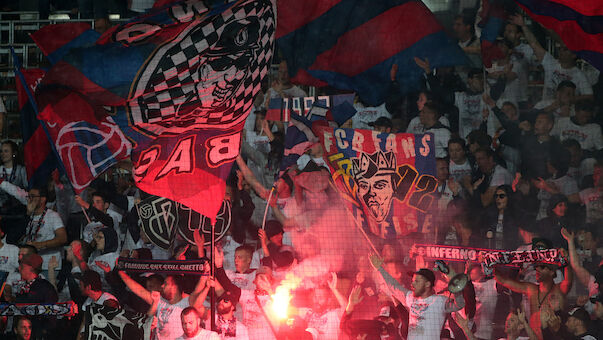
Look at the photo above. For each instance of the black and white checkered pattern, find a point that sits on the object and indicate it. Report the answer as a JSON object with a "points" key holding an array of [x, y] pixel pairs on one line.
{"points": [[164, 99]]}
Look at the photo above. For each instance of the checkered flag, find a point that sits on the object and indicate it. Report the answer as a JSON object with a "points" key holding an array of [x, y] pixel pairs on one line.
{"points": [[207, 75]]}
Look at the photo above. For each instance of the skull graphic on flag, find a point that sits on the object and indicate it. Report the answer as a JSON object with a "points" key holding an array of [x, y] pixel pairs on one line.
{"points": [[207, 76]]}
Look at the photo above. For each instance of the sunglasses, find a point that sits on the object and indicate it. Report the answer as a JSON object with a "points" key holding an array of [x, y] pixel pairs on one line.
{"points": [[500, 195]]}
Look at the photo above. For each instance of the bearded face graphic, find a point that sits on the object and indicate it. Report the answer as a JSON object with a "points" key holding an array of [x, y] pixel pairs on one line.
{"points": [[375, 176]]}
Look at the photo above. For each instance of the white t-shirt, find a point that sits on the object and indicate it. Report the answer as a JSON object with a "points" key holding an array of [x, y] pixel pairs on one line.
{"points": [[365, 115], [9, 258], [203, 334], [458, 171], [589, 135], [253, 318], [415, 125], [327, 323], [592, 198], [242, 280], [104, 297], [105, 259], [426, 316], [169, 324], [52, 222], [547, 102], [555, 74], [501, 176], [486, 297], [470, 111]]}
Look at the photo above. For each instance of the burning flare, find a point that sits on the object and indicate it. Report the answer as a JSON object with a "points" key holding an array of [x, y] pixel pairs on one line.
{"points": [[282, 296]]}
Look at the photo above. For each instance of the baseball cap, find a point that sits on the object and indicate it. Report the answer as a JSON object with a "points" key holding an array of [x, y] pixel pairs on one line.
{"points": [[382, 121], [426, 273], [228, 295], [580, 314], [33, 260]]}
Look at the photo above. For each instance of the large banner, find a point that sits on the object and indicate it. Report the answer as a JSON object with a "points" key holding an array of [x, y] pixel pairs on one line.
{"points": [[386, 179], [162, 219], [106, 323], [172, 87]]}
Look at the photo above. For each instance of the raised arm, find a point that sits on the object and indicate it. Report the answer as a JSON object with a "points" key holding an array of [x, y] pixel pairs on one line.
{"points": [[136, 288], [251, 179], [15, 191], [514, 285], [539, 51], [568, 279], [201, 289], [397, 289], [333, 286], [581, 272]]}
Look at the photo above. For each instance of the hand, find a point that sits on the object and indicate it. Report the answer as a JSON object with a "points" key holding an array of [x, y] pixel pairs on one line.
{"points": [[521, 316], [517, 19], [392, 72], [461, 321], [180, 255], [360, 278], [218, 257], [424, 64], [355, 297], [477, 183], [545, 317], [376, 261], [37, 245], [124, 253], [103, 265], [567, 235], [540, 183], [240, 179], [333, 281], [262, 236], [81, 202], [582, 300], [199, 238], [53, 263], [76, 248], [515, 181], [156, 296], [488, 100], [525, 126], [454, 186]]}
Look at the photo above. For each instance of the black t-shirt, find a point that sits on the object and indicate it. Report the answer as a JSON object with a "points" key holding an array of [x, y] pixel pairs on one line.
{"points": [[40, 291]]}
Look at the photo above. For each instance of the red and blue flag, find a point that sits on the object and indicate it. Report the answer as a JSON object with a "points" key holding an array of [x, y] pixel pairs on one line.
{"points": [[578, 23], [179, 83], [40, 160], [386, 179], [353, 44], [492, 23]]}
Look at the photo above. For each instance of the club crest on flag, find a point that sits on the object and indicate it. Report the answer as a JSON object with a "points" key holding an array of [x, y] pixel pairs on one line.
{"points": [[159, 218], [82, 139]]}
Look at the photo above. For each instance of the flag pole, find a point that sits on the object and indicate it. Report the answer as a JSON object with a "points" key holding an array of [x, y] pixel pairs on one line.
{"points": [[267, 206], [212, 290]]}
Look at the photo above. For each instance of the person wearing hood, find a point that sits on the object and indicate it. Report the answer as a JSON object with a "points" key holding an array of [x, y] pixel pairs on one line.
{"points": [[102, 260], [556, 220]]}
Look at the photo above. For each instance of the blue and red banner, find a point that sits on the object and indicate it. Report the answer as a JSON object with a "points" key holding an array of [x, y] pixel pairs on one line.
{"points": [[386, 179], [492, 23], [353, 44], [578, 23], [40, 159], [179, 82]]}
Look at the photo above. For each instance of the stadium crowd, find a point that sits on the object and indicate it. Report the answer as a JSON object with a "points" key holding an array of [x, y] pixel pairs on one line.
{"points": [[516, 171]]}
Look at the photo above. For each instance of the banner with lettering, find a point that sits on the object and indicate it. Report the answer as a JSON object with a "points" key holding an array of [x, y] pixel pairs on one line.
{"points": [[194, 267], [39, 309], [489, 258], [280, 109], [386, 179]]}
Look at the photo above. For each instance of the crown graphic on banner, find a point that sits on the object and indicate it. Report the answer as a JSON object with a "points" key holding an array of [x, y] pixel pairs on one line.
{"points": [[367, 166]]}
